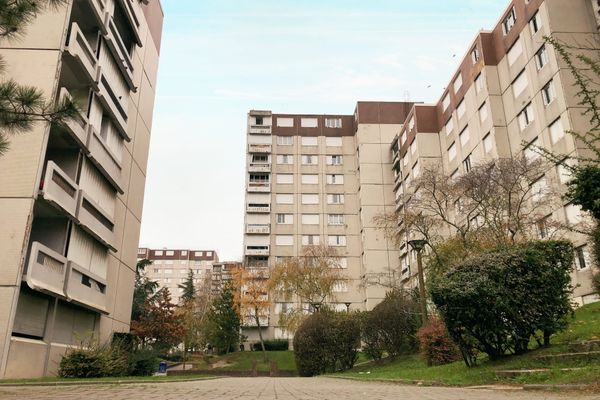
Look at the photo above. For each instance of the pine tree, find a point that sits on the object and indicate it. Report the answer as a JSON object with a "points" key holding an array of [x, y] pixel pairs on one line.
{"points": [[22, 105], [144, 289], [189, 291], [224, 321]]}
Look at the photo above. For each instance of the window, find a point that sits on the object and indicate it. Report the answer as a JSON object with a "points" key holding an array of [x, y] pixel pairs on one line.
{"points": [[342, 262], [285, 159], [467, 163], [285, 140], [452, 152], [457, 83], [258, 120], [310, 141], [285, 179], [519, 84], [336, 240], [335, 198], [168, 271], [198, 254], [335, 179], [334, 160], [514, 52], [582, 258], [167, 280], [340, 287], [309, 240], [284, 198], [509, 21], [310, 219], [158, 252], [310, 199], [487, 143], [542, 227], [446, 102], [169, 262], [548, 94], [461, 109], [530, 150], [538, 189], [184, 252], [541, 58], [449, 126], [310, 159], [309, 122], [333, 141], [285, 219], [556, 131], [573, 214], [464, 136], [335, 219], [413, 146], [475, 55], [535, 23], [156, 270], [284, 240], [310, 179], [564, 173], [260, 158], [483, 112], [170, 253], [333, 122], [526, 117], [411, 124], [285, 122], [403, 138], [479, 83]]}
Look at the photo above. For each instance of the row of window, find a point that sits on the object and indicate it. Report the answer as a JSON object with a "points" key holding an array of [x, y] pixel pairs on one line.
{"points": [[311, 219], [308, 179], [287, 122], [184, 253], [312, 198], [307, 159], [309, 141], [307, 240], [170, 271], [182, 262]]}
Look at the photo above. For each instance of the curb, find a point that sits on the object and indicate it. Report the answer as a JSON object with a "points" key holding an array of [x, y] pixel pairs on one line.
{"points": [[576, 387], [115, 382]]}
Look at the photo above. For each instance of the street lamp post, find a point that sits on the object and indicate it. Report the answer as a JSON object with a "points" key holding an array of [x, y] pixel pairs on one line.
{"points": [[418, 245], [347, 306], [316, 306]]}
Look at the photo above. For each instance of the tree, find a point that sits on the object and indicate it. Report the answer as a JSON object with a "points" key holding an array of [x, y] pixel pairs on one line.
{"points": [[189, 292], [252, 297], [224, 321], [144, 289], [158, 323], [21, 105], [310, 278]]}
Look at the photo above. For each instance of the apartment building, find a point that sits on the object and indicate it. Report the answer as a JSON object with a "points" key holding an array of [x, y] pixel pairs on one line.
{"points": [[511, 92], [320, 179], [71, 195], [171, 267], [222, 274]]}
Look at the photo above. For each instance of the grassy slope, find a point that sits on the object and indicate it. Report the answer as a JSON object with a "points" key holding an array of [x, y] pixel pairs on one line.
{"points": [[586, 326], [242, 361]]}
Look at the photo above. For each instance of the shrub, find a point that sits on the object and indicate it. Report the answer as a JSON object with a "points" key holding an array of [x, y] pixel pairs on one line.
{"points": [[326, 342], [143, 362], [391, 326], [497, 301], [435, 344], [94, 362], [272, 345]]}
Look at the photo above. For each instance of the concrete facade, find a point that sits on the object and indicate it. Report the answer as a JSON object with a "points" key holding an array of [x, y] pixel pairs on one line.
{"points": [[71, 196]]}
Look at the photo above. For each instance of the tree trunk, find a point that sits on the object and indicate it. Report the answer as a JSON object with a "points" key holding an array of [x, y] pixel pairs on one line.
{"points": [[260, 336]]}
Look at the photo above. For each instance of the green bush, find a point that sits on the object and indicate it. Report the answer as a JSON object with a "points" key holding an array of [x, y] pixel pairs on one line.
{"points": [[272, 345], [94, 362], [498, 301], [143, 362], [326, 342], [435, 344], [391, 326], [584, 190]]}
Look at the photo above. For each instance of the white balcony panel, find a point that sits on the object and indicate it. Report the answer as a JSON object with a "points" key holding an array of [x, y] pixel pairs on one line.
{"points": [[259, 167], [261, 229], [86, 288], [113, 106], [259, 148], [59, 189], [118, 53], [110, 69], [260, 129], [76, 126], [98, 188], [105, 159], [95, 221], [259, 187], [46, 270], [258, 208], [87, 252], [257, 252], [81, 51]]}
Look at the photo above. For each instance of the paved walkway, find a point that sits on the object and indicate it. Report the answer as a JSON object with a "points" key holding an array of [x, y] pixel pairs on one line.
{"points": [[270, 388]]}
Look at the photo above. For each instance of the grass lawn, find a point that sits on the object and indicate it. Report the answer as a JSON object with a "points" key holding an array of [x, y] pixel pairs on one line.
{"points": [[586, 326], [242, 361]]}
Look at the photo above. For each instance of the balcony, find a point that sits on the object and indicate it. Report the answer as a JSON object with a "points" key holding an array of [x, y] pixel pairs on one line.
{"points": [[46, 270], [258, 208], [95, 221], [132, 18], [85, 288], [259, 187], [76, 126], [82, 53], [59, 190], [259, 167], [260, 229], [103, 157], [111, 102], [119, 51], [98, 8], [259, 148], [260, 129], [257, 250]]}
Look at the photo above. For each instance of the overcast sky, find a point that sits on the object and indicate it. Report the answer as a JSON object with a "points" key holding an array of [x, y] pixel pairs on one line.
{"points": [[220, 58]]}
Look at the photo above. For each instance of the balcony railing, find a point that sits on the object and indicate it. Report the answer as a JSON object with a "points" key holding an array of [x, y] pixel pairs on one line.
{"points": [[46, 270], [103, 157], [260, 129], [76, 126], [257, 250], [59, 189], [259, 187], [259, 167], [81, 51], [259, 148], [95, 220], [258, 208], [86, 288], [98, 10], [132, 17], [258, 228], [119, 51]]}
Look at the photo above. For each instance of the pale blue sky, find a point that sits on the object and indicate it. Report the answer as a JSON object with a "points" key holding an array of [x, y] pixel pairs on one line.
{"points": [[220, 58]]}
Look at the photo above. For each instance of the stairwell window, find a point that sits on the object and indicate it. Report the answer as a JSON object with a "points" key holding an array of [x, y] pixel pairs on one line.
{"points": [[548, 94], [582, 258], [541, 58], [535, 23], [509, 21], [526, 117]]}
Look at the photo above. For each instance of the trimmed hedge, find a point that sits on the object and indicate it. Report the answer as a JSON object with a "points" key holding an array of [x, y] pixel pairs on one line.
{"points": [[272, 345]]}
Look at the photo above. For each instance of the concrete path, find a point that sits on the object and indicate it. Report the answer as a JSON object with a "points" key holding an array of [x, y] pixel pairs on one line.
{"points": [[275, 388]]}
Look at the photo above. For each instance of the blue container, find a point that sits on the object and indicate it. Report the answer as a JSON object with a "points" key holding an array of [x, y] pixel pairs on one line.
{"points": [[162, 367]]}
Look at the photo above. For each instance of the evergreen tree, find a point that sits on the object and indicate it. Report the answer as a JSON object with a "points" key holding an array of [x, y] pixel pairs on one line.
{"points": [[189, 291], [144, 290], [224, 322], [21, 105]]}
